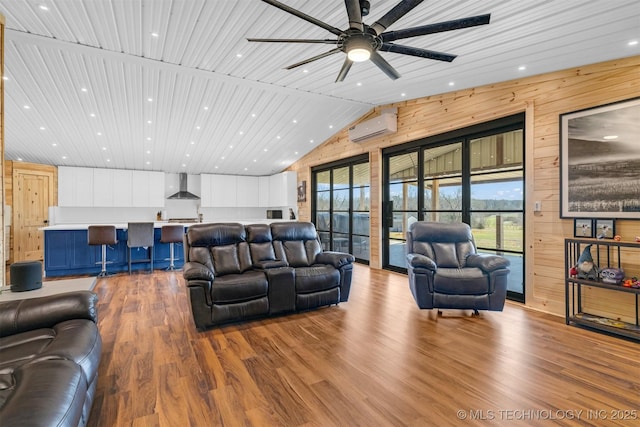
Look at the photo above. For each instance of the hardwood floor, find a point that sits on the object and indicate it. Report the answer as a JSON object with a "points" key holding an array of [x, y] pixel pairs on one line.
{"points": [[376, 360]]}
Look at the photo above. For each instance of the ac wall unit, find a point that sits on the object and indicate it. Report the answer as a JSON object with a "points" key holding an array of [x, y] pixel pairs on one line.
{"points": [[384, 124]]}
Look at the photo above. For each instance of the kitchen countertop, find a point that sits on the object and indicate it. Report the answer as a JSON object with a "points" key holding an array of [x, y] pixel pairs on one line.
{"points": [[156, 224]]}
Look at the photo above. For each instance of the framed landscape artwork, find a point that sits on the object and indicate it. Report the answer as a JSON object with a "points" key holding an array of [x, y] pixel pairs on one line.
{"points": [[600, 162]]}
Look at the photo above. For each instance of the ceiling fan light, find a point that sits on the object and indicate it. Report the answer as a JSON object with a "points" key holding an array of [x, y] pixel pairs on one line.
{"points": [[359, 54]]}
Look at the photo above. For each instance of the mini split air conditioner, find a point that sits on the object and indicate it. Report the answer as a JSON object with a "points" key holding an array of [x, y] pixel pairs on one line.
{"points": [[384, 124]]}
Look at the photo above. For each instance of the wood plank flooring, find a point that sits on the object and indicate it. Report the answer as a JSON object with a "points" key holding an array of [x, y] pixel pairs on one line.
{"points": [[376, 360]]}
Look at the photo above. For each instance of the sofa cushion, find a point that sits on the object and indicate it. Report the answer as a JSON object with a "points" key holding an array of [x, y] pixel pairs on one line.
{"points": [[231, 259], [234, 288], [456, 281], [262, 252], [316, 278]]}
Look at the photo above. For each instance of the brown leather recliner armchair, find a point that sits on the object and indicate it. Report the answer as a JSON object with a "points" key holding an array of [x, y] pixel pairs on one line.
{"points": [[445, 270]]}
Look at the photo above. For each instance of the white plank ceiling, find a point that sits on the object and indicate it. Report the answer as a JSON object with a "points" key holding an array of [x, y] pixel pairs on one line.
{"points": [[173, 85]]}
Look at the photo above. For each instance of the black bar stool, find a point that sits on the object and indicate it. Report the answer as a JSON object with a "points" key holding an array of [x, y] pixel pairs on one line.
{"points": [[171, 234], [103, 235], [140, 235]]}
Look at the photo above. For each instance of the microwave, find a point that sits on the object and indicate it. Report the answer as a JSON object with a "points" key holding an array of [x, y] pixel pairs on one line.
{"points": [[274, 214]]}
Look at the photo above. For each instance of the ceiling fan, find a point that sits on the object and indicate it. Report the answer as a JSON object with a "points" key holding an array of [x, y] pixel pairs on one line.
{"points": [[362, 42]]}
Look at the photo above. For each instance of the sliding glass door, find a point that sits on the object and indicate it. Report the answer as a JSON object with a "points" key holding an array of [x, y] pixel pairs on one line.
{"points": [[341, 205], [474, 176]]}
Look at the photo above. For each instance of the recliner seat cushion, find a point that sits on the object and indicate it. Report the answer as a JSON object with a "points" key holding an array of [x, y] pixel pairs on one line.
{"points": [[234, 288], [316, 278], [456, 281]]}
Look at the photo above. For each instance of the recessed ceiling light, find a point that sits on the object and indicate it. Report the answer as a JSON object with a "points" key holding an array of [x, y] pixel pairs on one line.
{"points": [[84, 89], [148, 138], [104, 148], [305, 71], [192, 142], [246, 169], [222, 158], [150, 99], [241, 132], [403, 94], [311, 141], [198, 127], [451, 83], [41, 127], [231, 146], [278, 137], [265, 150], [610, 137], [188, 155], [522, 67], [633, 43], [215, 167], [184, 165], [148, 151], [92, 115], [238, 55], [43, 7], [99, 133], [5, 78], [359, 84], [295, 121], [63, 158], [154, 34], [108, 160], [253, 115], [20, 159], [54, 145], [149, 121], [330, 126], [254, 160], [295, 152], [26, 107], [206, 108], [148, 162]]}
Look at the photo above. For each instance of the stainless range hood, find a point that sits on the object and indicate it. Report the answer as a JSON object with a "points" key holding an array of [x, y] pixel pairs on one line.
{"points": [[183, 194]]}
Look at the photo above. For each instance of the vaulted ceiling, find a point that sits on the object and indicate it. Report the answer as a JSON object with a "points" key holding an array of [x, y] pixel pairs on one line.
{"points": [[173, 85]]}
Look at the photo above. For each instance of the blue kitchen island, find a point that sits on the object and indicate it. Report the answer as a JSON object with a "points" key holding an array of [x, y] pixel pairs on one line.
{"points": [[67, 252]]}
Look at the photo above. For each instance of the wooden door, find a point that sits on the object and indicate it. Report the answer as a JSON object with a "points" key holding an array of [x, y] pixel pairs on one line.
{"points": [[33, 193]]}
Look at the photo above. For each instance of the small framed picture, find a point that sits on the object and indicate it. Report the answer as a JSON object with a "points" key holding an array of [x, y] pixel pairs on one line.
{"points": [[583, 227], [605, 228]]}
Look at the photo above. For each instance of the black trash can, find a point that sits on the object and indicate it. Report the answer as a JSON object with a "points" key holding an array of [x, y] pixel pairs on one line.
{"points": [[25, 276]]}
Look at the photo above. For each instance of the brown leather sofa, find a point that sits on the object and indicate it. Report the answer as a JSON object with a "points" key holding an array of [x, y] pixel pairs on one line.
{"points": [[235, 272], [50, 350]]}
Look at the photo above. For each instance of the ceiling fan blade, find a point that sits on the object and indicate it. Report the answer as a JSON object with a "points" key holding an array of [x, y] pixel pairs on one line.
{"points": [[355, 14], [304, 16], [440, 27], [346, 66], [306, 61], [324, 41], [398, 11], [384, 66], [414, 51]]}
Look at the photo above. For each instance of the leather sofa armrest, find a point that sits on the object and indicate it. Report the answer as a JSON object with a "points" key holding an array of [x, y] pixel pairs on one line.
{"points": [[487, 262], [196, 271], [421, 261], [46, 312], [265, 265], [336, 259]]}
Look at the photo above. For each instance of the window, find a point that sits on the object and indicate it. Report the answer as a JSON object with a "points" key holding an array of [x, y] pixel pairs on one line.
{"points": [[474, 175], [341, 205]]}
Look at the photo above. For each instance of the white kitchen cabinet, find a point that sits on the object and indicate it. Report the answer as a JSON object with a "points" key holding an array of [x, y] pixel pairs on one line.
{"points": [[147, 189], [282, 189], [122, 188], [263, 190], [248, 191], [75, 186], [218, 191], [103, 187]]}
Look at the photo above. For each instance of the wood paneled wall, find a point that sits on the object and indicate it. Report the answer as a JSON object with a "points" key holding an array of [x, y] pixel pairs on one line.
{"points": [[543, 98]]}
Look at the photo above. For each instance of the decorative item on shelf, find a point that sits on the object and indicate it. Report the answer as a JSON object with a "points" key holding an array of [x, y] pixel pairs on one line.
{"points": [[585, 268], [634, 282], [612, 276], [159, 215], [617, 237], [637, 239]]}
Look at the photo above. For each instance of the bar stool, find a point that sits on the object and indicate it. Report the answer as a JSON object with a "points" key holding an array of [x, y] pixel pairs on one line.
{"points": [[102, 235], [171, 234], [140, 235]]}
